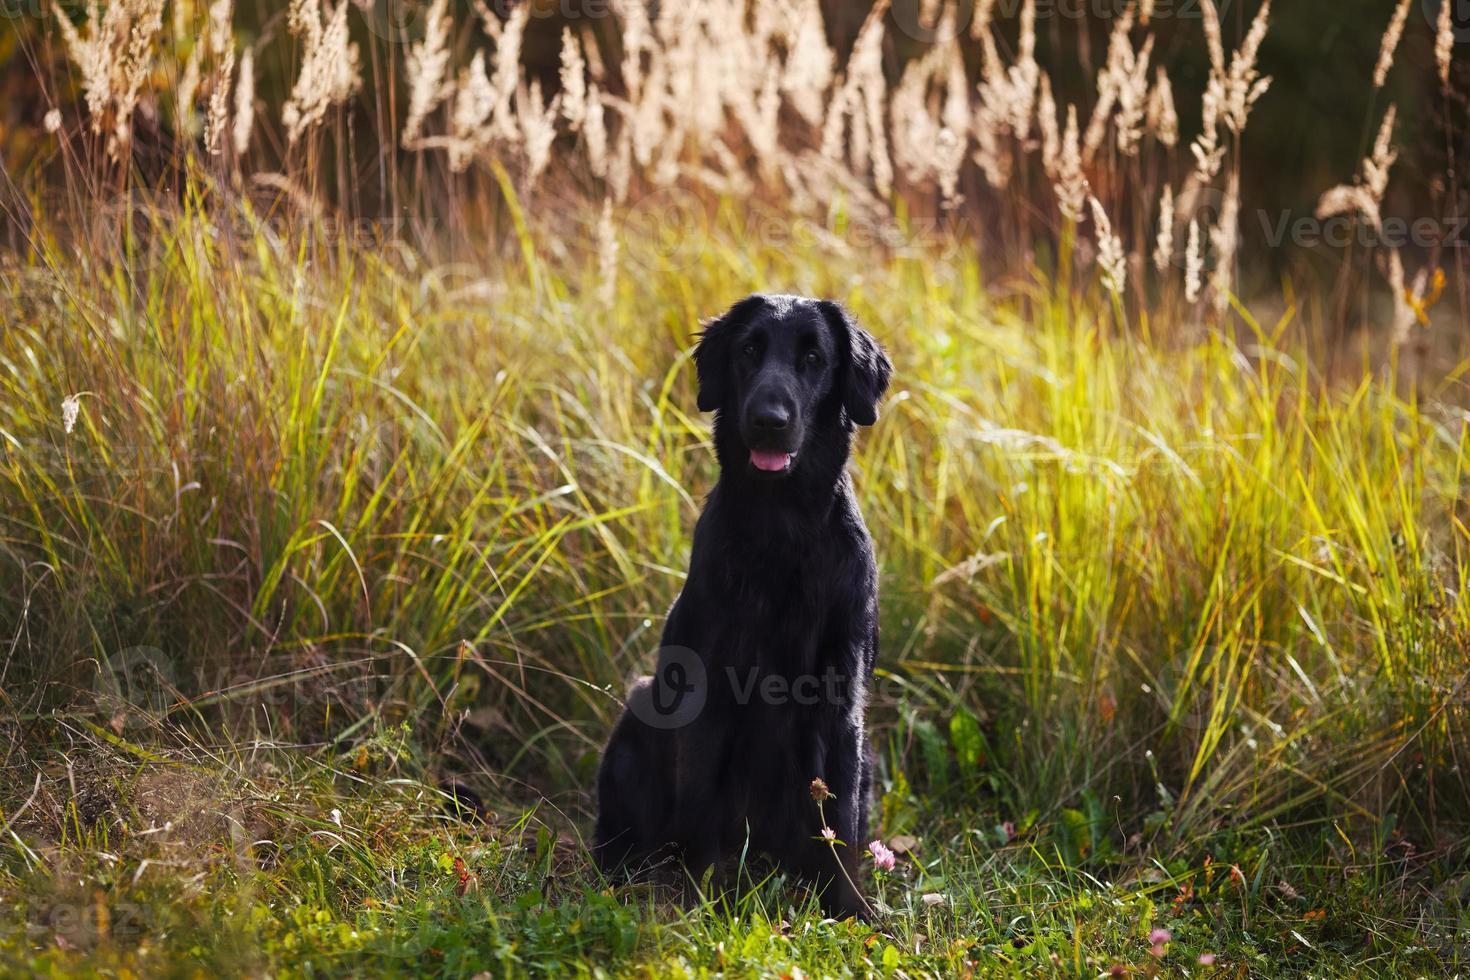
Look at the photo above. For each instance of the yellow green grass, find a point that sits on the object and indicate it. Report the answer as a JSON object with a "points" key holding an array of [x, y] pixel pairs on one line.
{"points": [[1160, 597]]}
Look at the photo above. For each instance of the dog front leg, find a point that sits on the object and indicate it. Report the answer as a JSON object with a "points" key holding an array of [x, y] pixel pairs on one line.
{"points": [[700, 809]]}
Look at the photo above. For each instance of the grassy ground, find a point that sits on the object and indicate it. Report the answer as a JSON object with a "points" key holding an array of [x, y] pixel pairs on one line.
{"points": [[296, 528], [320, 867]]}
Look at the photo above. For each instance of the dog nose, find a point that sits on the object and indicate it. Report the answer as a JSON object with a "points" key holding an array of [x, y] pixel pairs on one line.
{"points": [[771, 418]]}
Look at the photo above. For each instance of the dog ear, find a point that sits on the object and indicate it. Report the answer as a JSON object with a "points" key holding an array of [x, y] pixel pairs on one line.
{"points": [[712, 356], [867, 368]]}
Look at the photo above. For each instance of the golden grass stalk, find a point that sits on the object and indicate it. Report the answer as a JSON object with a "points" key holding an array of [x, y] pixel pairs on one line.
{"points": [[475, 99], [1444, 42], [1112, 262], [1377, 166], [1224, 241], [1046, 120], [427, 63], [808, 70], [1214, 39], [218, 116], [114, 57], [607, 256], [1194, 263], [1162, 119], [1391, 38], [1243, 84], [1404, 316], [573, 80], [1070, 182], [1118, 66], [954, 134], [508, 77], [633, 15], [1164, 243], [244, 119], [1023, 75], [188, 88], [594, 132], [328, 74], [1208, 152], [1365, 194], [538, 126], [865, 71], [1349, 199], [1133, 98], [221, 34]]}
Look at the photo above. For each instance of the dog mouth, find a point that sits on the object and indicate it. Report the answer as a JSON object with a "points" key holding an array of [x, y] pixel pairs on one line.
{"points": [[771, 462]]}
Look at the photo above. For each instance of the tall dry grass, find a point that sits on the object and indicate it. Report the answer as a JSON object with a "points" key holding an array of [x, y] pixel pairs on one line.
{"points": [[740, 99], [342, 483], [337, 491]]}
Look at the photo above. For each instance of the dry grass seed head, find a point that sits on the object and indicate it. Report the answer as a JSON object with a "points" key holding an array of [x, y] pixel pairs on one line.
{"points": [[573, 80], [1112, 262], [219, 105], [1224, 240], [244, 119], [427, 63], [1162, 119], [1194, 263], [1444, 42], [329, 74], [1391, 37], [1164, 243], [1243, 85], [1070, 182], [114, 56]]}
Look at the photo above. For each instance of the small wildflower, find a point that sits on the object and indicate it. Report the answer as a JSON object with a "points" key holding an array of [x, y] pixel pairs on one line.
{"points": [[337, 817], [52, 122], [883, 858], [820, 792], [932, 899], [1158, 939], [1009, 829], [828, 834], [1207, 959], [1117, 970]]}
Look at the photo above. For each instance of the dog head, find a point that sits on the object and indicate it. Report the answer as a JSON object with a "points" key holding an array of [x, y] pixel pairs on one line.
{"points": [[778, 369]]}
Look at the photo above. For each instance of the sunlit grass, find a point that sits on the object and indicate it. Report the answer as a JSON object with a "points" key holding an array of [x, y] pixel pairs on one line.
{"points": [[1147, 601]]}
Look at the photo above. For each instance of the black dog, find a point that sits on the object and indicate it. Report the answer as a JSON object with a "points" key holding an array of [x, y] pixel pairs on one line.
{"points": [[767, 652]]}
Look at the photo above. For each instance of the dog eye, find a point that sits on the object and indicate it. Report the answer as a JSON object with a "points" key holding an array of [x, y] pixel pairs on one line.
{"points": [[748, 350], [813, 358]]}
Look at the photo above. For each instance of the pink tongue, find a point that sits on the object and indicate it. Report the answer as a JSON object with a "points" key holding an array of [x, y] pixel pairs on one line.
{"points": [[770, 462]]}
